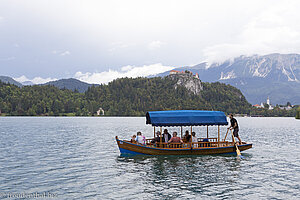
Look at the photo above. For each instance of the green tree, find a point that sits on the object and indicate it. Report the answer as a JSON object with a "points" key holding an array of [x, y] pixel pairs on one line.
{"points": [[298, 113]]}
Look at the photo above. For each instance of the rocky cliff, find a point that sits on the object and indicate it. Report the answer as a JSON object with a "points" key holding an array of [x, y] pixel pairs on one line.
{"points": [[188, 81], [275, 75]]}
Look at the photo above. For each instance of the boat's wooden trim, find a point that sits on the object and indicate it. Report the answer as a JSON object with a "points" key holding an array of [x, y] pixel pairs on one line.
{"points": [[127, 147]]}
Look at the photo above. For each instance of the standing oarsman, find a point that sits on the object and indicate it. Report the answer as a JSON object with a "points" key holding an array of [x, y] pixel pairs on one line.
{"points": [[234, 125]]}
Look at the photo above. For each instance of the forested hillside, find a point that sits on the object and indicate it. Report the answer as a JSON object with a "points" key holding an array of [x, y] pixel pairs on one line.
{"points": [[71, 84], [298, 113], [125, 97], [121, 97], [129, 96], [40, 100]]}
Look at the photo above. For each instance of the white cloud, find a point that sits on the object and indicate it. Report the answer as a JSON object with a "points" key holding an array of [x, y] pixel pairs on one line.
{"points": [[61, 53], [106, 76], [65, 53], [115, 46], [36, 80], [126, 71], [274, 30], [8, 58], [113, 33], [155, 45], [127, 68]]}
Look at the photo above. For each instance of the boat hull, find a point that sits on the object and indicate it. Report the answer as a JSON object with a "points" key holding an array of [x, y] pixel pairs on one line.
{"points": [[130, 148]]}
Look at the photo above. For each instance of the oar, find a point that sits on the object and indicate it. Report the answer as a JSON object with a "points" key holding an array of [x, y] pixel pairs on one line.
{"points": [[236, 146], [226, 135]]}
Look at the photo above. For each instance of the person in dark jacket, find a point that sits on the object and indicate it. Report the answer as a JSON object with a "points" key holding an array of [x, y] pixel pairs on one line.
{"points": [[157, 138], [234, 125], [166, 136]]}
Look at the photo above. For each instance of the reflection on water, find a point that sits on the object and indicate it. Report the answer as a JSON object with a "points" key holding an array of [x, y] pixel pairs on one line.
{"points": [[78, 158], [191, 174]]}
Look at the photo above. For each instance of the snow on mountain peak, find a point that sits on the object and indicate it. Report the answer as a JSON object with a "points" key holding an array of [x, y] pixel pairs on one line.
{"points": [[228, 75]]}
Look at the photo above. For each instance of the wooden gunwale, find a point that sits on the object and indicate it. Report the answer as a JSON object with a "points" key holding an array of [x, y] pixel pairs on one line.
{"points": [[148, 150]]}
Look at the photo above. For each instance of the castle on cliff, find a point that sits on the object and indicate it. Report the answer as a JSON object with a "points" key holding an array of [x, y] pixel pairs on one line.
{"points": [[185, 72]]}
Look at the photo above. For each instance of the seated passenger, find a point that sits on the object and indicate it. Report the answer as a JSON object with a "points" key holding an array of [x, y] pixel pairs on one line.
{"points": [[207, 144], [140, 139], [187, 137], [194, 139], [175, 139], [157, 138], [133, 139]]}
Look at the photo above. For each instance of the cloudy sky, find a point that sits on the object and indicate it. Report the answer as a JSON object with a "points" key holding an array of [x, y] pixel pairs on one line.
{"points": [[97, 41]]}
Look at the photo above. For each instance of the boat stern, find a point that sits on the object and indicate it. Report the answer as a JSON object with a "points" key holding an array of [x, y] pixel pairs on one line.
{"points": [[124, 148]]}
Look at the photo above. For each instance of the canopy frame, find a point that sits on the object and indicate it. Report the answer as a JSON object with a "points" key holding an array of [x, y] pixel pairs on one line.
{"points": [[186, 118]]}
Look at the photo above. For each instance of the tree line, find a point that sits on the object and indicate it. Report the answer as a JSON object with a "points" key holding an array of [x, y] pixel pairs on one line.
{"points": [[298, 113], [124, 97]]}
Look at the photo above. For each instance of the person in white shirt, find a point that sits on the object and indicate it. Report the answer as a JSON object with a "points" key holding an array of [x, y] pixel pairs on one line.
{"points": [[140, 139], [194, 139]]}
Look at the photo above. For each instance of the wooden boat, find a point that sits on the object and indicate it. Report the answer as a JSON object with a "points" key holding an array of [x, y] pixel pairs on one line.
{"points": [[180, 118]]}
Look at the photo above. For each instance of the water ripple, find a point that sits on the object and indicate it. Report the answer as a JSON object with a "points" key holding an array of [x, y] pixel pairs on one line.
{"points": [[77, 158]]}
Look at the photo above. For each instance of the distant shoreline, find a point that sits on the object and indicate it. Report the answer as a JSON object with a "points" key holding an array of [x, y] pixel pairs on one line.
{"points": [[63, 116], [127, 116]]}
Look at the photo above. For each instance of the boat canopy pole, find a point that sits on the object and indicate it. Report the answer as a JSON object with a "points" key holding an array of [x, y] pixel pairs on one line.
{"points": [[218, 135], [207, 131], [181, 131], [191, 136], [160, 134]]}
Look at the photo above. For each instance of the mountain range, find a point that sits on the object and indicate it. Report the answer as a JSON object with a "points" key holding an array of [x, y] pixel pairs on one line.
{"points": [[70, 83], [276, 76], [124, 97], [7, 79]]}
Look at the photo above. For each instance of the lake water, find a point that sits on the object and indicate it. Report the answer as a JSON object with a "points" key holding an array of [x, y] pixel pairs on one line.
{"points": [[78, 158]]}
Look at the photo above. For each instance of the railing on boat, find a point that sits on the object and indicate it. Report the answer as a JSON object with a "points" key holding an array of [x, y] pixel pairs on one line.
{"points": [[148, 141], [208, 139], [212, 142]]}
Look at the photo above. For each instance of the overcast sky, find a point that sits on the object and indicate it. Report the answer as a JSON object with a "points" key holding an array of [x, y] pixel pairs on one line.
{"points": [[97, 41]]}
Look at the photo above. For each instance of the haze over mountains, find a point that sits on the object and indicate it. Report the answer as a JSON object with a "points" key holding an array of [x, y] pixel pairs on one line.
{"points": [[276, 76], [71, 83], [7, 79]]}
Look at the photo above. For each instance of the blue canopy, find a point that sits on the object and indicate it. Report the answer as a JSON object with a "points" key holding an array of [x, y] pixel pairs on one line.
{"points": [[186, 118]]}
